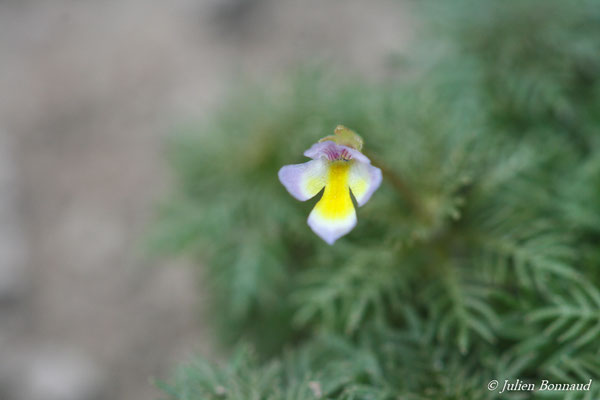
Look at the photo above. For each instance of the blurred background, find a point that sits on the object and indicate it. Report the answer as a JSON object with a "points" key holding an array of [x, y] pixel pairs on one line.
{"points": [[89, 91]]}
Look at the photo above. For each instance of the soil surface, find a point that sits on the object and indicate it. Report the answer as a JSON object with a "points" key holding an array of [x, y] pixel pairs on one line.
{"points": [[89, 90]]}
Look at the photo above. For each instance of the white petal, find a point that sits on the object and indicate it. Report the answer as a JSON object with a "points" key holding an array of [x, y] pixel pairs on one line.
{"points": [[364, 179], [331, 230], [304, 181]]}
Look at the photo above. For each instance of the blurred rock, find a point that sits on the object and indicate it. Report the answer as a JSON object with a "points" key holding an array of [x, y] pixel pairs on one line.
{"points": [[58, 375], [233, 13]]}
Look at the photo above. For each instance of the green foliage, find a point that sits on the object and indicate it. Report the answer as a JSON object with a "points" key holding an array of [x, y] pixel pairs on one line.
{"points": [[477, 259]]}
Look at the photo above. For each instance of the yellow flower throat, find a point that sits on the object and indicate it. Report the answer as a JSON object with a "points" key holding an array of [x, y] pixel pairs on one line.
{"points": [[336, 202]]}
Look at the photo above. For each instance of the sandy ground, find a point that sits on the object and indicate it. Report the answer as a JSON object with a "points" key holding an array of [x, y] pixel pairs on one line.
{"points": [[88, 92]]}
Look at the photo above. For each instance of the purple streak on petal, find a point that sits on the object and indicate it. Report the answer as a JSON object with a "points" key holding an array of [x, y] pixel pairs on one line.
{"points": [[326, 149], [357, 155], [333, 151]]}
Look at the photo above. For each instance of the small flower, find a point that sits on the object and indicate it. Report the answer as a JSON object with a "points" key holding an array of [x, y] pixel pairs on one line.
{"points": [[338, 166]]}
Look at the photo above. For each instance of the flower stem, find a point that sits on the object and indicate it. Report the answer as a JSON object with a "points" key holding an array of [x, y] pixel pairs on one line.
{"points": [[399, 184]]}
